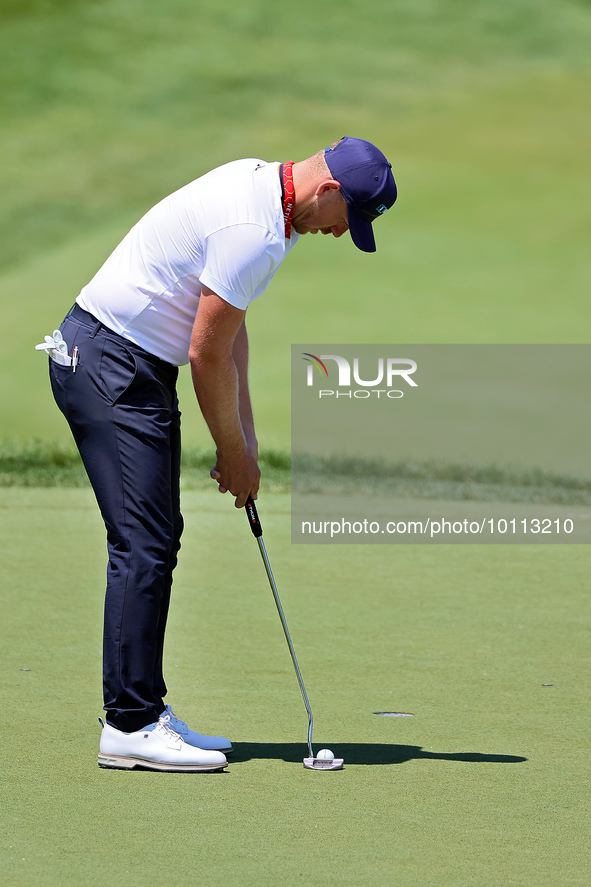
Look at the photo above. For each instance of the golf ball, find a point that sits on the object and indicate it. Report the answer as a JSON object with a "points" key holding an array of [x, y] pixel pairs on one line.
{"points": [[325, 754]]}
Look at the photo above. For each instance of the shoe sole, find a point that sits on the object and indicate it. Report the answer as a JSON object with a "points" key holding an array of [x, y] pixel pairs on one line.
{"points": [[120, 762]]}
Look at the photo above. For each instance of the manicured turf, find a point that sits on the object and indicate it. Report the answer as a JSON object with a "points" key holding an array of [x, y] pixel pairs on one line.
{"points": [[108, 105], [485, 785]]}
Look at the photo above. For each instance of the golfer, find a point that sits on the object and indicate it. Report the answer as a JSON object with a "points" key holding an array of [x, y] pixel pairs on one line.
{"points": [[176, 291]]}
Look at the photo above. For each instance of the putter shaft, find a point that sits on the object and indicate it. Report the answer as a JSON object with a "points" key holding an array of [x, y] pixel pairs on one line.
{"points": [[257, 530], [287, 638]]}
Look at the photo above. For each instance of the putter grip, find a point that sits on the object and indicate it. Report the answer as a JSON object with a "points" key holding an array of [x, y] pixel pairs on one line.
{"points": [[253, 518]]}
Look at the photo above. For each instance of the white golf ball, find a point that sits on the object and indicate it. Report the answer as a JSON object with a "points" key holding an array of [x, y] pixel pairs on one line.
{"points": [[325, 754]]}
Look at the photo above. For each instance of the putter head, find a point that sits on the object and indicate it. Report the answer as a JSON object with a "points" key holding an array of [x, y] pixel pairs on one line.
{"points": [[323, 763]]}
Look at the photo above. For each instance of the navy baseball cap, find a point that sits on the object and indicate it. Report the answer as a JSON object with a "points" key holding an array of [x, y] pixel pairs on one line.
{"points": [[367, 184]]}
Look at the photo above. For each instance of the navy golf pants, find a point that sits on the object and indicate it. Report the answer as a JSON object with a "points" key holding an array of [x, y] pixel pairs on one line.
{"points": [[122, 408]]}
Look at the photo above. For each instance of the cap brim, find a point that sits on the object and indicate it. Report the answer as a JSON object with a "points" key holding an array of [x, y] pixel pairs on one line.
{"points": [[361, 232]]}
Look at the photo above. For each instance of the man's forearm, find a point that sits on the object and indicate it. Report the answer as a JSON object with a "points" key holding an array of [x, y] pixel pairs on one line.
{"points": [[240, 356], [219, 360], [216, 385], [216, 382]]}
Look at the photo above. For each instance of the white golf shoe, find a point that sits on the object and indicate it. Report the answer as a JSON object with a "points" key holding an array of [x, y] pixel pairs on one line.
{"points": [[160, 748], [198, 740]]}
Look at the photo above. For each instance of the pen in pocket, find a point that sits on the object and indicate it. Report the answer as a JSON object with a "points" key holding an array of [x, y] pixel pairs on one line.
{"points": [[74, 359]]}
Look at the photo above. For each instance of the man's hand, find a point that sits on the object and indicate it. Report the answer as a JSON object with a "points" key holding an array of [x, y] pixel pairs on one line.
{"points": [[239, 474], [253, 449]]}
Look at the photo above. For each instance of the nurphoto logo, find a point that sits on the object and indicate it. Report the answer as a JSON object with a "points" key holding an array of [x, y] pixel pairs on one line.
{"points": [[388, 370]]}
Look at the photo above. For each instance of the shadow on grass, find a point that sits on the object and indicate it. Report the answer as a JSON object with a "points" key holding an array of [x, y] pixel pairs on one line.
{"points": [[359, 753]]}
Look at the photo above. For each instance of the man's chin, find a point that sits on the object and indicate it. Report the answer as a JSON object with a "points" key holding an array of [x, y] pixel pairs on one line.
{"points": [[304, 229]]}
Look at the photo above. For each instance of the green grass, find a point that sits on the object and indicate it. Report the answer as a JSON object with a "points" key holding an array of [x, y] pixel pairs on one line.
{"points": [[343, 475], [108, 105], [41, 463], [485, 785]]}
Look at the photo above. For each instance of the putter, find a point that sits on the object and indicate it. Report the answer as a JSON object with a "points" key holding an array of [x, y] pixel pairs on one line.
{"points": [[311, 763]]}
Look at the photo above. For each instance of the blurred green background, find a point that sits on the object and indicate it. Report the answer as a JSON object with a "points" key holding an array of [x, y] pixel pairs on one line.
{"points": [[483, 108]]}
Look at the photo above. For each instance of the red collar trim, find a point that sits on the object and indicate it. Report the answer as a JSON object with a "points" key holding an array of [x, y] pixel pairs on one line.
{"points": [[288, 195]]}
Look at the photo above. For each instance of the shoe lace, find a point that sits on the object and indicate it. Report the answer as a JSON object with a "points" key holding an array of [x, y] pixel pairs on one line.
{"points": [[164, 727], [172, 717]]}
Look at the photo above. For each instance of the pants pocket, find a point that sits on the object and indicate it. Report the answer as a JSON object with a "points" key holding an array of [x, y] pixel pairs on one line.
{"points": [[118, 370]]}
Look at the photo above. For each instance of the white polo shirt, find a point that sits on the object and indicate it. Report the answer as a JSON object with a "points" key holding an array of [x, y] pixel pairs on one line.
{"points": [[225, 230]]}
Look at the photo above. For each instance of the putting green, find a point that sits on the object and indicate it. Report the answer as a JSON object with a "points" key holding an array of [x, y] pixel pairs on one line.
{"points": [[106, 107], [484, 785]]}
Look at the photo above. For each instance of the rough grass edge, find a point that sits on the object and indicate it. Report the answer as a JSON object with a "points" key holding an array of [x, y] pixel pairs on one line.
{"points": [[39, 463]]}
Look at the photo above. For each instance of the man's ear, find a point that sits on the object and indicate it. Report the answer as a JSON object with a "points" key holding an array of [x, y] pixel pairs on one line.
{"points": [[327, 185]]}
